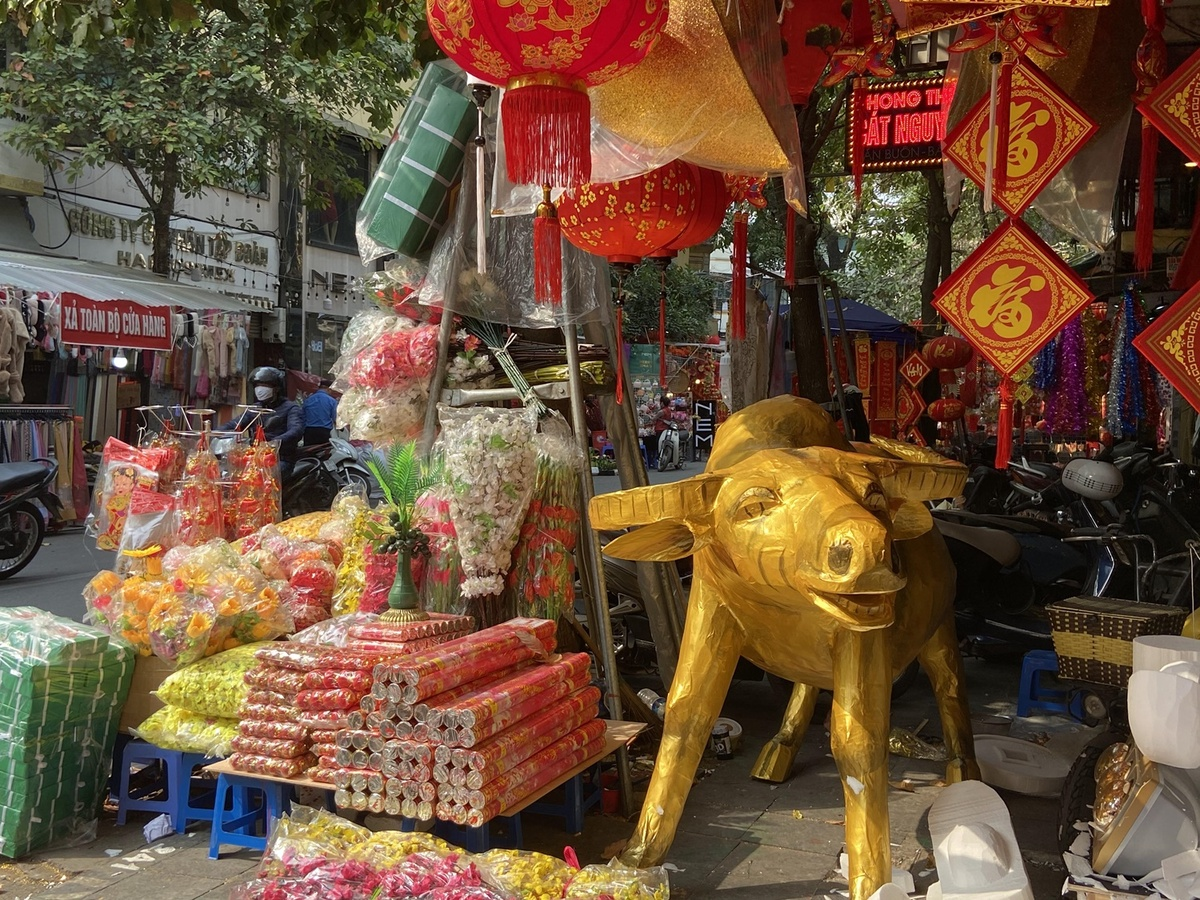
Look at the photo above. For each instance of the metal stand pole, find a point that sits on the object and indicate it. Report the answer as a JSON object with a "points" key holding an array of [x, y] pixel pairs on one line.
{"points": [[593, 557], [837, 378], [851, 365], [445, 333]]}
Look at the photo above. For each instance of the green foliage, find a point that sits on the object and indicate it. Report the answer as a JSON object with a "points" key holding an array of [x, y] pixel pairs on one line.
{"points": [[190, 108], [404, 478], [690, 299]]}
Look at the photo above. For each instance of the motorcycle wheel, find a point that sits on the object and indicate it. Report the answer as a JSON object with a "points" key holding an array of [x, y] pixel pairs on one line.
{"points": [[28, 530], [1079, 790]]}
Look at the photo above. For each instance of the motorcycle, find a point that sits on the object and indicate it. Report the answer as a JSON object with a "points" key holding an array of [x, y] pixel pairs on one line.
{"points": [[22, 526], [670, 448]]}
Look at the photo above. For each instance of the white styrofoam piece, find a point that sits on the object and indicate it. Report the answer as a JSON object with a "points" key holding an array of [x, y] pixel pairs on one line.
{"points": [[1020, 766], [934, 891], [974, 846], [1182, 874], [889, 892], [1153, 651], [1164, 714]]}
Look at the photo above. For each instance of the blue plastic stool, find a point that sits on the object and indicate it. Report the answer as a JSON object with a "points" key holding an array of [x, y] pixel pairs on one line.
{"points": [[245, 804], [1032, 694], [114, 777], [476, 840], [577, 802], [184, 798]]}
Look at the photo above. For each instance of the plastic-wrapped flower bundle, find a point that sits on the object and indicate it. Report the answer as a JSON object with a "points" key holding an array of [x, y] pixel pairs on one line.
{"points": [[441, 576], [172, 728], [619, 882], [256, 498], [542, 579], [350, 527], [200, 507], [490, 459]]}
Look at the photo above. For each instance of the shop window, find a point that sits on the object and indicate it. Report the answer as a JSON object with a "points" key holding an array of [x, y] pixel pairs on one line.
{"points": [[247, 164], [333, 225]]}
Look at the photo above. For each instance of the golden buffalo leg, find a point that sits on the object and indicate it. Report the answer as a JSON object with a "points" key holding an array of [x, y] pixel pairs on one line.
{"points": [[861, 710], [775, 760], [943, 664], [712, 642]]}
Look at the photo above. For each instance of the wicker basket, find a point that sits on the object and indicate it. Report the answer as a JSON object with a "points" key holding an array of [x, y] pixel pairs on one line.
{"points": [[1093, 636]]}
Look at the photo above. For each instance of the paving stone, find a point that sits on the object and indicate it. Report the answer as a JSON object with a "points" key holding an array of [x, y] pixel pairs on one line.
{"points": [[195, 861], [785, 830], [77, 888], [697, 856], [757, 872], [158, 887]]}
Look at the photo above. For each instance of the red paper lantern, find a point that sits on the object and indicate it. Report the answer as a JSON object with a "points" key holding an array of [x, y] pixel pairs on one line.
{"points": [[546, 54], [804, 28], [628, 220], [712, 201], [948, 409], [947, 352]]}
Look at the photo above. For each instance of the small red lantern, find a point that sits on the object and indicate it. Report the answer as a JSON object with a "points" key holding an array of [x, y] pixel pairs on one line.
{"points": [[948, 409], [628, 220], [546, 54], [947, 352], [712, 201]]}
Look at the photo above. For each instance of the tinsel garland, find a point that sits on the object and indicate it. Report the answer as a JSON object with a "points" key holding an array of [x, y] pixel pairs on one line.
{"points": [[1146, 374], [1130, 397], [1045, 367], [1067, 405], [1095, 348]]}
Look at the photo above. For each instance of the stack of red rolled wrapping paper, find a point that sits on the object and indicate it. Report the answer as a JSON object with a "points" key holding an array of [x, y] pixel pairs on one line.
{"points": [[468, 729]]}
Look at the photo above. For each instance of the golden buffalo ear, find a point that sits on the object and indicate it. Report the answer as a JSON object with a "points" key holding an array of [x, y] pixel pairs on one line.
{"points": [[911, 520], [660, 542]]}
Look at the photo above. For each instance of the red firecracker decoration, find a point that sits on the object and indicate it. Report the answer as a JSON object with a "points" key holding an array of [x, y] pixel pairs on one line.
{"points": [[546, 55], [547, 252], [947, 409]]}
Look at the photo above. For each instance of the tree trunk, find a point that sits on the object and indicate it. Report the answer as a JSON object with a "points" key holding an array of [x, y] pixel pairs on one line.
{"points": [[750, 358], [939, 260], [808, 338], [162, 213], [661, 588]]}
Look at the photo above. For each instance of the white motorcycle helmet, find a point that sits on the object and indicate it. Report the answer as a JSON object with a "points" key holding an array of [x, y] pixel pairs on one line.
{"points": [[1093, 479]]}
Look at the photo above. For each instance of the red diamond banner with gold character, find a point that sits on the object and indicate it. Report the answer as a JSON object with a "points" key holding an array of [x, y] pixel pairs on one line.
{"points": [[1046, 129], [1011, 296], [1174, 107], [909, 406], [1172, 344], [914, 369]]}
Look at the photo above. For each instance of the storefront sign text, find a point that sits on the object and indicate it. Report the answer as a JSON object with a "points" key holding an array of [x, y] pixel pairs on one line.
{"points": [[896, 126], [114, 323]]}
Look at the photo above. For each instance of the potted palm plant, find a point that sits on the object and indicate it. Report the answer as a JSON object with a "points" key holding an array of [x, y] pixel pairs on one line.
{"points": [[404, 477]]}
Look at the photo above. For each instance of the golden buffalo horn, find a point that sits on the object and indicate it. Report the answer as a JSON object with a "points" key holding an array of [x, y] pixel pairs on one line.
{"points": [[689, 499]]}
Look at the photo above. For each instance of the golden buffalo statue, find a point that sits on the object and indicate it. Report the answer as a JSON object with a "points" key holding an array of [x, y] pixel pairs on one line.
{"points": [[817, 560]]}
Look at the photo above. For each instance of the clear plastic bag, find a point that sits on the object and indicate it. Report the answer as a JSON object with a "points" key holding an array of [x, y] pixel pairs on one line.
{"points": [[122, 469], [149, 522], [270, 765], [172, 728], [522, 873], [619, 882], [388, 849], [307, 834], [211, 687], [334, 632], [201, 506], [98, 596]]}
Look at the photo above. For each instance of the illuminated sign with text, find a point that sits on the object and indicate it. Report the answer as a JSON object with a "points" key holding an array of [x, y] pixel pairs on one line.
{"points": [[896, 125]]}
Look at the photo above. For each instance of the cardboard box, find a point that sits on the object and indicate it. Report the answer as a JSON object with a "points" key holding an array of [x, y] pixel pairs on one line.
{"points": [[148, 674]]}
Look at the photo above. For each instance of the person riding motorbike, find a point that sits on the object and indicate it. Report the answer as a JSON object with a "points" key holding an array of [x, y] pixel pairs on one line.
{"points": [[674, 413], [285, 420]]}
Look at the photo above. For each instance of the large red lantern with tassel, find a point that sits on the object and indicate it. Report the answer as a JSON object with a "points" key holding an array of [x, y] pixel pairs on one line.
{"points": [[947, 409], [712, 201], [546, 55], [947, 352], [626, 221]]}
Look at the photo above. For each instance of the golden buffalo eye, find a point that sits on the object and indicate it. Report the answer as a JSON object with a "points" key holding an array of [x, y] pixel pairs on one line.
{"points": [[875, 499], [754, 503]]}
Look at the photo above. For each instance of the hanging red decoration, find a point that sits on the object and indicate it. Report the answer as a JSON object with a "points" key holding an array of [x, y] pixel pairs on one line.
{"points": [[866, 46], [662, 325], [803, 28], [625, 221], [737, 287], [547, 253], [914, 368], [947, 352], [712, 201], [1149, 67], [947, 409], [546, 55]]}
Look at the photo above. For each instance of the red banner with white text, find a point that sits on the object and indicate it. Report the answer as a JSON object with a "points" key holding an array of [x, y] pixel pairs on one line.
{"points": [[114, 323]]}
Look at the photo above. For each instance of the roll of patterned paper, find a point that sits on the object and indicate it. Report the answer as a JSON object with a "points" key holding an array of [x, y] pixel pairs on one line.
{"points": [[486, 702], [269, 765], [470, 658], [540, 770], [436, 624], [549, 759], [470, 737], [331, 679], [431, 710], [514, 745]]}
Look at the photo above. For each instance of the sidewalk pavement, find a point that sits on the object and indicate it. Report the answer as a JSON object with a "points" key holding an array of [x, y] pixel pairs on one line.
{"points": [[739, 839]]}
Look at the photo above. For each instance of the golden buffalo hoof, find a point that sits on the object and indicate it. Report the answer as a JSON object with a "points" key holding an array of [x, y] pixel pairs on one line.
{"points": [[959, 769], [774, 762]]}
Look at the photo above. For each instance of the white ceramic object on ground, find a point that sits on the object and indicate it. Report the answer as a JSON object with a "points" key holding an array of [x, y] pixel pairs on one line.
{"points": [[1153, 651], [1164, 714], [974, 846], [1020, 766], [902, 879], [889, 892]]}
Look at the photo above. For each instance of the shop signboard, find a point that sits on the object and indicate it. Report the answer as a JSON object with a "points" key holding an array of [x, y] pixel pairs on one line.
{"points": [[896, 126], [706, 425], [114, 323]]}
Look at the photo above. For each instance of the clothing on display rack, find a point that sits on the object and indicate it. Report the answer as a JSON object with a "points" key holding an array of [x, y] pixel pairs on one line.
{"points": [[32, 432]]}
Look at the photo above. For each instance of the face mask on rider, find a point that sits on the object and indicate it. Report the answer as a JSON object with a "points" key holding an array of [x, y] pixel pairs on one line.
{"points": [[263, 393]]}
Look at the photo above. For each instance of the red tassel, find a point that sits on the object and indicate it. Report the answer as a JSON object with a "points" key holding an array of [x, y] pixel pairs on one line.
{"points": [[856, 153], [620, 349], [547, 133], [1143, 244], [547, 252], [737, 289], [662, 331], [1003, 126], [1004, 424], [789, 249]]}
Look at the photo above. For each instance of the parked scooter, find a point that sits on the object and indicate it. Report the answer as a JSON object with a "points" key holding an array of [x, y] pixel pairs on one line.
{"points": [[670, 448], [22, 526]]}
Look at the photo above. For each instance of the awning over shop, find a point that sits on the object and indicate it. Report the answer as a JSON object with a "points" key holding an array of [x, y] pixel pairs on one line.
{"points": [[100, 282]]}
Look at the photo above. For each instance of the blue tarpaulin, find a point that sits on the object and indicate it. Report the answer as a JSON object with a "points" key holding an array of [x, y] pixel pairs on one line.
{"points": [[860, 317]]}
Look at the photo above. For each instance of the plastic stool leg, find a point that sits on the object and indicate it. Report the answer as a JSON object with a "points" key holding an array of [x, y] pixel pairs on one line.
{"points": [[574, 805]]}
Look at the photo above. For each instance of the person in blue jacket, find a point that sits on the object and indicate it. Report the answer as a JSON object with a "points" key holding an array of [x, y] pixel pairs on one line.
{"points": [[283, 423], [320, 415]]}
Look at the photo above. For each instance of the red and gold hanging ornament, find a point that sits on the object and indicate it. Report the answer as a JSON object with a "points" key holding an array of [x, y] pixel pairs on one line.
{"points": [[802, 27], [1171, 343], [947, 352], [1022, 29], [909, 406], [546, 54], [1007, 299], [866, 46], [1149, 67], [914, 368], [885, 380], [746, 192], [947, 409], [1044, 130]]}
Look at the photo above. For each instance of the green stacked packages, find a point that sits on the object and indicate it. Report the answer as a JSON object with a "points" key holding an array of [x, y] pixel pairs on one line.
{"points": [[416, 203], [61, 695]]}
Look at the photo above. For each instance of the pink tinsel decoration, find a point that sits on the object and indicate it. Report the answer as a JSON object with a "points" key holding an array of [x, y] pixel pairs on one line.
{"points": [[1067, 406]]}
